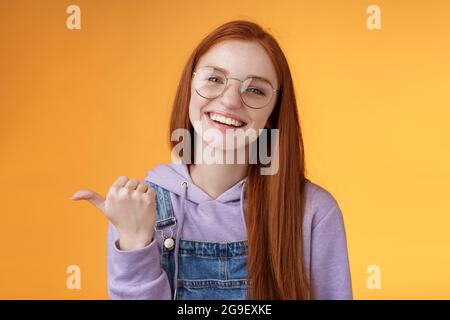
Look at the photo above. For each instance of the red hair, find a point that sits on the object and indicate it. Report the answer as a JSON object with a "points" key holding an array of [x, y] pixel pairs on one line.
{"points": [[274, 203]]}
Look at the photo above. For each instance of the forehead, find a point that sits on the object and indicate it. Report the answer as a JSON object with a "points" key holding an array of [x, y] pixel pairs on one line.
{"points": [[240, 59]]}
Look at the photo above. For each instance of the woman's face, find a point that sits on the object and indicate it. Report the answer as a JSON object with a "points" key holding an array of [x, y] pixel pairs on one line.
{"points": [[238, 59]]}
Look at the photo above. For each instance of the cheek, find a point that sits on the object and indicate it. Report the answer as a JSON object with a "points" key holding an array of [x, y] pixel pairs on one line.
{"points": [[195, 108], [259, 117]]}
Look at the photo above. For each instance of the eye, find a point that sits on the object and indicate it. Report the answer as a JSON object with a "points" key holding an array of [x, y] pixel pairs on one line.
{"points": [[256, 91], [215, 79]]}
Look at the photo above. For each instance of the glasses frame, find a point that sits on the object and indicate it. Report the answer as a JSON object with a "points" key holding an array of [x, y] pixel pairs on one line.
{"points": [[275, 91]]}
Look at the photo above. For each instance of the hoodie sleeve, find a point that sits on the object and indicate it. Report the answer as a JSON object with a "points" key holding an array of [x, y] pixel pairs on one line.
{"points": [[135, 274], [330, 271]]}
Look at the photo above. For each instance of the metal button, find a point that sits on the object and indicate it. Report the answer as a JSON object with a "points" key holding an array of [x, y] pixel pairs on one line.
{"points": [[169, 243]]}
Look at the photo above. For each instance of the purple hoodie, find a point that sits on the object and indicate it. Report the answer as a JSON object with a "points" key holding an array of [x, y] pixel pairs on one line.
{"points": [[137, 274]]}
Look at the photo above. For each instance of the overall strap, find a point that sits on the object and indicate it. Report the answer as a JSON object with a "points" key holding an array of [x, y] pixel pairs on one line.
{"points": [[165, 216]]}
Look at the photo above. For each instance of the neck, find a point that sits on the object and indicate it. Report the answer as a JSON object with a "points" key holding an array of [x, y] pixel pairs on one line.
{"points": [[215, 179]]}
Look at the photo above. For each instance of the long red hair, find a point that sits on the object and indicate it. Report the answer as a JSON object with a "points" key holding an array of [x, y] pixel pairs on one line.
{"points": [[274, 203]]}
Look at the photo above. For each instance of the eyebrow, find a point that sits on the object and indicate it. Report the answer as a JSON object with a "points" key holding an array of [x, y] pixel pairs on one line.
{"points": [[249, 76]]}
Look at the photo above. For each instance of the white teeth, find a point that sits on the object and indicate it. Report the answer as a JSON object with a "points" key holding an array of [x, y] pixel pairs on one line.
{"points": [[226, 120]]}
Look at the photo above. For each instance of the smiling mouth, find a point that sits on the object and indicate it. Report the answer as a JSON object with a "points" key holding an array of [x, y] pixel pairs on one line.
{"points": [[225, 121]]}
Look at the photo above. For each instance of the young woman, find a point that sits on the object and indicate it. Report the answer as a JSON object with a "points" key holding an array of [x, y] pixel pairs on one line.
{"points": [[200, 230]]}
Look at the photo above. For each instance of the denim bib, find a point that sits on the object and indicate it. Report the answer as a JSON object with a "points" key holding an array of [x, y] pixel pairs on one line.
{"points": [[206, 270]]}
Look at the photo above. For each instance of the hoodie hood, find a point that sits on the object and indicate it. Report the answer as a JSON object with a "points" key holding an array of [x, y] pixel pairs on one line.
{"points": [[171, 177]]}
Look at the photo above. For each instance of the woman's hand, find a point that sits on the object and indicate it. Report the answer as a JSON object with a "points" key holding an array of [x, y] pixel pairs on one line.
{"points": [[130, 205]]}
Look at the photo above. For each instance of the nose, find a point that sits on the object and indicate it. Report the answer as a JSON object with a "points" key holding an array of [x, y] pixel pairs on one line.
{"points": [[231, 96]]}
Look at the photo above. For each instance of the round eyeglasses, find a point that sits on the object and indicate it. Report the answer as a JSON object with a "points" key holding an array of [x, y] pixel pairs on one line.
{"points": [[210, 83]]}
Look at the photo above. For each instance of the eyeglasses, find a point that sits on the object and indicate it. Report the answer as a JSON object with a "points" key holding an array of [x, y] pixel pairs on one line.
{"points": [[210, 83]]}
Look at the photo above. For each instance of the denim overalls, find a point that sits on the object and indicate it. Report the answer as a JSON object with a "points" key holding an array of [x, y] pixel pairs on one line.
{"points": [[206, 270]]}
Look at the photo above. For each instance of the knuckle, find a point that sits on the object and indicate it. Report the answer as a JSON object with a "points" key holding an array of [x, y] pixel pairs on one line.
{"points": [[122, 178], [135, 194], [122, 194], [146, 200]]}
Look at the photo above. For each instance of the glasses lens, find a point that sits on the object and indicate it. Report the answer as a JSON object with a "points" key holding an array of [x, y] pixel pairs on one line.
{"points": [[209, 82], [256, 93]]}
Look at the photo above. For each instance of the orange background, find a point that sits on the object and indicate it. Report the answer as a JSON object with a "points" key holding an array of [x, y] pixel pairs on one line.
{"points": [[78, 108]]}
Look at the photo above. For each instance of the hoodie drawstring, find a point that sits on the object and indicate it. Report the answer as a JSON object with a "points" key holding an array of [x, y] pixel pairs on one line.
{"points": [[177, 239], [242, 205]]}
